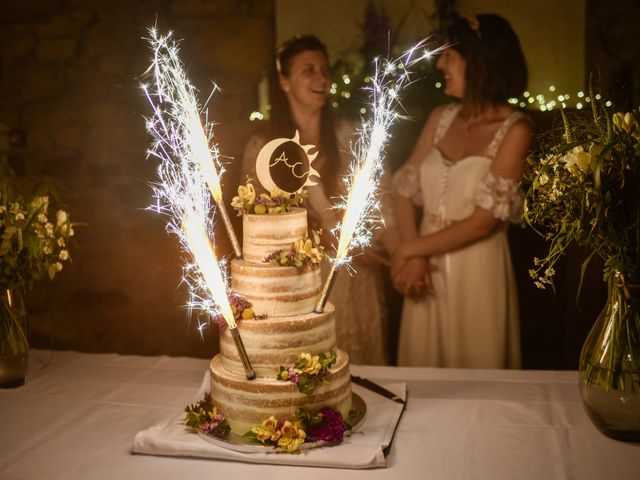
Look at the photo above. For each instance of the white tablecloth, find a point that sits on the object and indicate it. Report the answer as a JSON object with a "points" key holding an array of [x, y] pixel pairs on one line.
{"points": [[78, 414]]}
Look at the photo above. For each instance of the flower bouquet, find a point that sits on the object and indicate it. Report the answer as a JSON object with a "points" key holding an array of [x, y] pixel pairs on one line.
{"points": [[584, 189], [33, 246]]}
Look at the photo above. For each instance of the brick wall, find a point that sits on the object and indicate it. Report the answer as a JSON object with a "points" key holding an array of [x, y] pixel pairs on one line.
{"points": [[70, 100]]}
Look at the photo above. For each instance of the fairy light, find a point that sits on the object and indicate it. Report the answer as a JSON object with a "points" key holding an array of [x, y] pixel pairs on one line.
{"points": [[361, 206], [188, 181]]}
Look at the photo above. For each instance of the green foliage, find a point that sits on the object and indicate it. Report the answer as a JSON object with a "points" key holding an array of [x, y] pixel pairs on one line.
{"points": [[583, 188]]}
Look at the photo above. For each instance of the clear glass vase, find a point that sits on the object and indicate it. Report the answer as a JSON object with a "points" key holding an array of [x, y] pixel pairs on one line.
{"points": [[14, 344], [610, 364]]}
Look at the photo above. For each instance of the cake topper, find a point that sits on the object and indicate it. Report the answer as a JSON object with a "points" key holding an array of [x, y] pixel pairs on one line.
{"points": [[285, 164]]}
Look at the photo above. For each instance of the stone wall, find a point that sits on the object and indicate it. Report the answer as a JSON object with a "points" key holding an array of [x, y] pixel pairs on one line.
{"points": [[73, 112]]}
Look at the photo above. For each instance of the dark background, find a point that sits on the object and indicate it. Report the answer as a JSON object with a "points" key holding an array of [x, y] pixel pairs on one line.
{"points": [[71, 111]]}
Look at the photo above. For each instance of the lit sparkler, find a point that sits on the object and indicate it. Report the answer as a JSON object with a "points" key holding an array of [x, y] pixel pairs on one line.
{"points": [[174, 90], [361, 205], [188, 181]]}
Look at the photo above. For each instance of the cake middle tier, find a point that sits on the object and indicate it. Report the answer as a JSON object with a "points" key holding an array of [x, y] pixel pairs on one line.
{"points": [[276, 291], [274, 342]]}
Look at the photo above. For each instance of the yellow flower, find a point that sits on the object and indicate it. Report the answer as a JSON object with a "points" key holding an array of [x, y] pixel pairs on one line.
{"points": [[267, 430], [625, 122], [312, 363], [307, 248], [292, 436]]}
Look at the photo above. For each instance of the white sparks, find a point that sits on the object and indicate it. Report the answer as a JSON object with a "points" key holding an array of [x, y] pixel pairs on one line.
{"points": [[361, 206], [189, 174]]}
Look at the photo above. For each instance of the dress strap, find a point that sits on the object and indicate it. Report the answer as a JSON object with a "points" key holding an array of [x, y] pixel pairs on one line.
{"points": [[492, 149], [446, 117]]}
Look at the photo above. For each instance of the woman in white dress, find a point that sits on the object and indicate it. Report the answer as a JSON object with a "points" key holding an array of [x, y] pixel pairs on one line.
{"points": [[461, 304], [298, 97]]}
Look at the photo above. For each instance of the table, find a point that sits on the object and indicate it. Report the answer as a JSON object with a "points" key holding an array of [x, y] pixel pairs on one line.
{"points": [[78, 413]]}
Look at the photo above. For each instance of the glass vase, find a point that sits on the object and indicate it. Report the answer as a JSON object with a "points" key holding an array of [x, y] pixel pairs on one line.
{"points": [[610, 364], [14, 344]]}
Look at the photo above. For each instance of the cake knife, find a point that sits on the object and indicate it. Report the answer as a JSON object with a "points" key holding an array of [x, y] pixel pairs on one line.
{"points": [[374, 387]]}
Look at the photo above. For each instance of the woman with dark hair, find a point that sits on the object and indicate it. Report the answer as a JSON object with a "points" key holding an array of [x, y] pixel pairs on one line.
{"points": [[298, 97], [461, 305]]}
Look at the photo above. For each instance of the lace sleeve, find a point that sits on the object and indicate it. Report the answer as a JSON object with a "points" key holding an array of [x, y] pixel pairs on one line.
{"points": [[501, 197], [406, 183]]}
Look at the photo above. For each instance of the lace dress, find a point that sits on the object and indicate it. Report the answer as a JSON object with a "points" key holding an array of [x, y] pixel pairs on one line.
{"points": [[361, 317], [472, 320]]}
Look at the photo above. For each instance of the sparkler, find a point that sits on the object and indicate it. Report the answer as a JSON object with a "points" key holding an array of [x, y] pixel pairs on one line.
{"points": [[361, 206], [175, 90], [188, 182]]}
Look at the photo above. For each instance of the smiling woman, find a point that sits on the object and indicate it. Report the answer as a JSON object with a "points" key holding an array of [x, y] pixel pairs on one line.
{"points": [[298, 94], [461, 305]]}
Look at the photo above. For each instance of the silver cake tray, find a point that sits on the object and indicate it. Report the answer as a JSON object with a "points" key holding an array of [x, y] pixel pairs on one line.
{"points": [[238, 443]]}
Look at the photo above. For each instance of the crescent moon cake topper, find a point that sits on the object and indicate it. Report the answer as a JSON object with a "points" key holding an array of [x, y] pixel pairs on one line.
{"points": [[286, 164]]}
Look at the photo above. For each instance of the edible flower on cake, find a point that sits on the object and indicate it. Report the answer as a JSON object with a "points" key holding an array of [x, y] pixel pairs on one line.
{"points": [[305, 253], [325, 425], [242, 310], [308, 371], [276, 201], [203, 416]]}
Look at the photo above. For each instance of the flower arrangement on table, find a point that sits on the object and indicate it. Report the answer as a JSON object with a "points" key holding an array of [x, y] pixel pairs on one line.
{"points": [[34, 244], [585, 190], [248, 202]]}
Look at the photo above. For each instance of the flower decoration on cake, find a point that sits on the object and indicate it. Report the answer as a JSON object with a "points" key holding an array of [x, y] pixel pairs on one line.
{"points": [[242, 310], [308, 371], [288, 435], [203, 416], [325, 425], [247, 202], [305, 254]]}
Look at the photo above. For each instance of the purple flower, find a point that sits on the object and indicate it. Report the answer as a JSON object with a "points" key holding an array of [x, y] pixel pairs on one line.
{"points": [[219, 321], [330, 430]]}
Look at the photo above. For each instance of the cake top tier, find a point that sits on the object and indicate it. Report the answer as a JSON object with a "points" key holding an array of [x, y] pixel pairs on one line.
{"points": [[262, 235]]}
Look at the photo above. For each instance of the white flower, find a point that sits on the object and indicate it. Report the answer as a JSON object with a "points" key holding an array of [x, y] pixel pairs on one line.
{"points": [[47, 250], [49, 228], [64, 255], [63, 224], [3, 209], [246, 196], [20, 216], [61, 242], [57, 266], [42, 218], [576, 160], [544, 178]]}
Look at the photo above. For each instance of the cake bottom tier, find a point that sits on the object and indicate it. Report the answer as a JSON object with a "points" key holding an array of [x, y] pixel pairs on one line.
{"points": [[247, 403]]}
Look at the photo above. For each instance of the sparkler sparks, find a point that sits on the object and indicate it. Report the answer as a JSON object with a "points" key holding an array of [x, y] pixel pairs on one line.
{"points": [[188, 180], [361, 205], [176, 125]]}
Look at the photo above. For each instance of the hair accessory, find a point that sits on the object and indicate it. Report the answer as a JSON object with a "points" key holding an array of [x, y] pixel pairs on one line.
{"points": [[278, 66], [474, 24]]}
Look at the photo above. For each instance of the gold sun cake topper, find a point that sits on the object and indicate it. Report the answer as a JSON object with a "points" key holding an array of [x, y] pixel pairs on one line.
{"points": [[286, 164]]}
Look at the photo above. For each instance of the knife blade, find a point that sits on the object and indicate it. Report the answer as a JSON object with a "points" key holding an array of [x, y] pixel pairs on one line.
{"points": [[374, 387]]}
